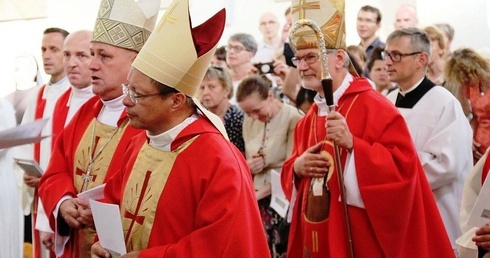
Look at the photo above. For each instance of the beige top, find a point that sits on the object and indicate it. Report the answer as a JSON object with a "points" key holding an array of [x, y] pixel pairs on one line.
{"points": [[278, 142]]}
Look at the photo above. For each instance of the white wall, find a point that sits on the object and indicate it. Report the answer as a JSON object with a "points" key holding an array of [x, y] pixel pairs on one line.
{"points": [[470, 20]]}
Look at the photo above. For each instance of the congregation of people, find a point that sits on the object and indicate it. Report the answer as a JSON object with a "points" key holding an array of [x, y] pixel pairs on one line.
{"points": [[289, 145]]}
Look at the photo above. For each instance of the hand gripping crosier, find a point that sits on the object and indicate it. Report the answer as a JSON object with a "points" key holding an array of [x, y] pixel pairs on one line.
{"points": [[328, 94]]}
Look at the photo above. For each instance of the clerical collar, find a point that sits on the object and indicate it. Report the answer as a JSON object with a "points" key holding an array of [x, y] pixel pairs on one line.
{"points": [[87, 91], [60, 82], [411, 88], [164, 140], [111, 111], [410, 97], [321, 103], [77, 93]]}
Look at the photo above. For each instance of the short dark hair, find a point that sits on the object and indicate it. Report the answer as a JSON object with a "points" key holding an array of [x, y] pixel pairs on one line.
{"points": [[304, 95], [63, 32], [377, 54], [368, 8], [220, 53], [164, 90]]}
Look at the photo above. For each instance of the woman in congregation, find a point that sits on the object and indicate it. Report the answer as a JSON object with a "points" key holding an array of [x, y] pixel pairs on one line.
{"points": [[214, 93], [468, 75], [379, 73], [268, 134]]}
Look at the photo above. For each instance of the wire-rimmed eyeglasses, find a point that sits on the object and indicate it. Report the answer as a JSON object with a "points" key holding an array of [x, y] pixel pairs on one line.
{"points": [[133, 96], [396, 56]]}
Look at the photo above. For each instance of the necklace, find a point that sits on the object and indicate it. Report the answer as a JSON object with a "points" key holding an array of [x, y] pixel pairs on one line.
{"points": [[262, 143], [87, 177]]}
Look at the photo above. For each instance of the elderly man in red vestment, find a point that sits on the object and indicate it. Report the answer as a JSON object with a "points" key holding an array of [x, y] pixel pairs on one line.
{"points": [[90, 147], [186, 190], [390, 208]]}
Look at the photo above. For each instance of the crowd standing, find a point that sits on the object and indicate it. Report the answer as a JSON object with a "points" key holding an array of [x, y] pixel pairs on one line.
{"points": [[271, 147]]}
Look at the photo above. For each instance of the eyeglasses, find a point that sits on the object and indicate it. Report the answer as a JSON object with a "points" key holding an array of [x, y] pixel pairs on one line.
{"points": [[397, 56], [133, 96], [309, 59], [236, 49]]}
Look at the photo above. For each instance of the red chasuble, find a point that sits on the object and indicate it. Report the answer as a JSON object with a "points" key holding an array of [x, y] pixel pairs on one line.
{"points": [[194, 201], [400, 218], [62, 175]]}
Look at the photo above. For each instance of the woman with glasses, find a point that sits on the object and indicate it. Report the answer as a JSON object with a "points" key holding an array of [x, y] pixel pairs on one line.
{"points": [[239, 53], [215, 93], [268, 133]]}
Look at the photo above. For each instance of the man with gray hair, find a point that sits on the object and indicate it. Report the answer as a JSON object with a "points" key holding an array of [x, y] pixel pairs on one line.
{"points": [[437, 124], [384, 199], [239, 53], [90, 147]]}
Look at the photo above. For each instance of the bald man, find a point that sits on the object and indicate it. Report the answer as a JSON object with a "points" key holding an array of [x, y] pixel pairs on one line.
{"points": [[76, 57], [271, 43], [406, 17]]}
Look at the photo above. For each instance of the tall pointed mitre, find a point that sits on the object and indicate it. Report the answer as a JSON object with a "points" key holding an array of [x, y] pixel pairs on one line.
{"points": [[125, 23], [328, 15], [178, 55]]}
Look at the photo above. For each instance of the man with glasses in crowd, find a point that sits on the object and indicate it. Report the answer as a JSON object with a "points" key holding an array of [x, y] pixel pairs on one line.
{"points": [[90, 148], [239, 53], [390, 208], [439, 128], [368, 25]]}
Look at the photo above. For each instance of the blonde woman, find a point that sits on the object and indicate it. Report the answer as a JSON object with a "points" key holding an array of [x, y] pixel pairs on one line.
{"points": [[467, 76]]}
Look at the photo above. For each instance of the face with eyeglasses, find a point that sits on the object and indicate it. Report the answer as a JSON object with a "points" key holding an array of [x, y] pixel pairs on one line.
{"points": [[308, 63], [405, 65], [237, 54], [146, 107]]}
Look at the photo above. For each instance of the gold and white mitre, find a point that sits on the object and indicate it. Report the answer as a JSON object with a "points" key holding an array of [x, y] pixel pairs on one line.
{"points": [[328, 15], [178, 55], [125, 23]]}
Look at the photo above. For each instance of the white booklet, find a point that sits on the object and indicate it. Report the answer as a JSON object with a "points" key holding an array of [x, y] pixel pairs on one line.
{"points": [[480, 214], [107, 219], [30, 167], [279, 202]]}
